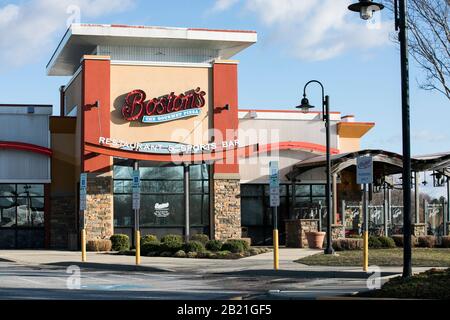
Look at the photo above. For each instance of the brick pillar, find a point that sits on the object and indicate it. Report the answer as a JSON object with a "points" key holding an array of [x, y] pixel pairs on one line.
{"points": [[227, 209], [226, 215], [99, 204]]}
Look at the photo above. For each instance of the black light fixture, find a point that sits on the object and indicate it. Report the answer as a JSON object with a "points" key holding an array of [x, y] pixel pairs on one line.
{"points": [[438, 179], [305, 106], [366, 8], [220, 109]]}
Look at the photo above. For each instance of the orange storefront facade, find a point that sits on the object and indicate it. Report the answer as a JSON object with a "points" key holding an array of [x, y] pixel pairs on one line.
{"points": [[165, 100]]}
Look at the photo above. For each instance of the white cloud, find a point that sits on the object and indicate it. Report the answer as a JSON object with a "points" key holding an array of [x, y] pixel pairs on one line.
{"points": [[31, 29], [222, 5], [318, 29], [429, 136]]}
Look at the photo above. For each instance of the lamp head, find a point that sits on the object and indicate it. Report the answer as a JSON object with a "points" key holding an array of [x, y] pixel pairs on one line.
{"points": [[304, 105], [366, 8]]}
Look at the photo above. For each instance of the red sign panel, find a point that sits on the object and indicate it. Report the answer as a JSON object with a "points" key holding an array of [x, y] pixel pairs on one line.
{"points": [[136, 107]]}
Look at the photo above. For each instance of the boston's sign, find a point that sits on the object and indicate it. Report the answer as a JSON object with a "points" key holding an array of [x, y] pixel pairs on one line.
{"points": [[167, 108]]}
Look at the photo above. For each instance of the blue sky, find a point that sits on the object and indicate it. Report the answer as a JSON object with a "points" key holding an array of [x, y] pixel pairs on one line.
{"points": [[298, 41]]}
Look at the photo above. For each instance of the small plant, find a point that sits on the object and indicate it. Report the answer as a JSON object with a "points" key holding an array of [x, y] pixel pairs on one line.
{"points": [[347, 244], [150, 246], [387, 242], [255, 251], [427, 241], [180, 254], [374, 242], [192, 254], [148, 238], [194, 246], [214, 245], [203, 238], [172, 238], [235, 246], [99, 245], [120, 242], [223, 254], [171, 243]]}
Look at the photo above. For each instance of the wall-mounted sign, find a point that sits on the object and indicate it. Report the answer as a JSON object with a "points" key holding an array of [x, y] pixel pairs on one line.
{"points": [[162, 210], [163, 109], [364, 170], [160, 147]]}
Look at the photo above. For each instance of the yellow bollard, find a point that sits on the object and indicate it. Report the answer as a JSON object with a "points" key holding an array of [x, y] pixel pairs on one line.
{"points": [[83, 245], [138, 247], [366, 251], [275, 250]]}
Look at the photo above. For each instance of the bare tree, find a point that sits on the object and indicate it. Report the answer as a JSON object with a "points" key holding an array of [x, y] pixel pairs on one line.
{"points": [[429, 41]]}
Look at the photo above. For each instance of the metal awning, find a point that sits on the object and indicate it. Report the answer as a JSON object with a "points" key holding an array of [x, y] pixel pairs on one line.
{"points": [[387, 162]]}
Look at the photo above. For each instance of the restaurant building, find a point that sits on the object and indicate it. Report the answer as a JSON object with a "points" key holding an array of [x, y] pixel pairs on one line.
{"points": [[166, 100]]}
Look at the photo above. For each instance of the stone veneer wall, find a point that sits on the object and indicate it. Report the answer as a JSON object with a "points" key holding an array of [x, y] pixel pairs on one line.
{"points": [[100, 209], [63, 221], [227, 209], [419, 229], [337, 231]]}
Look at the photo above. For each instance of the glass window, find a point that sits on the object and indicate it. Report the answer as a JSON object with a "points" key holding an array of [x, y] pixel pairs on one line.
{"points": [[283, 190], [199, 208], [31, 190], [162, 173], [24, 208], [252, 211], [7, 214], [199, 186], [303, 190], [251, 190], [123, 172], [151, 186], [123, 186], [199, 172], [7, 190], [123, 213], [303, 200], [162, 209], [318, 190]]}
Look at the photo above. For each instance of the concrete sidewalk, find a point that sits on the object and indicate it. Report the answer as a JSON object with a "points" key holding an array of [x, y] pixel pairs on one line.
{"points": [[163, 264]]}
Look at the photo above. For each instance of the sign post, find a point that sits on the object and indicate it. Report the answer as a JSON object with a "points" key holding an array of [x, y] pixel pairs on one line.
{"points": [[364, 176], [136, 207], [83, 192], [274, 186]]}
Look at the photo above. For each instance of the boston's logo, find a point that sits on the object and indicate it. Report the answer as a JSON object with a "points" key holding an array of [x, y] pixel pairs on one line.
{"points": [[166, 108], [162, 210]]}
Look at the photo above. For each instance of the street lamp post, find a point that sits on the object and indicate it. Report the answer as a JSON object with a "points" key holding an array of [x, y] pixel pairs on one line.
{"points": [[305, 106], [366, 8]]}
